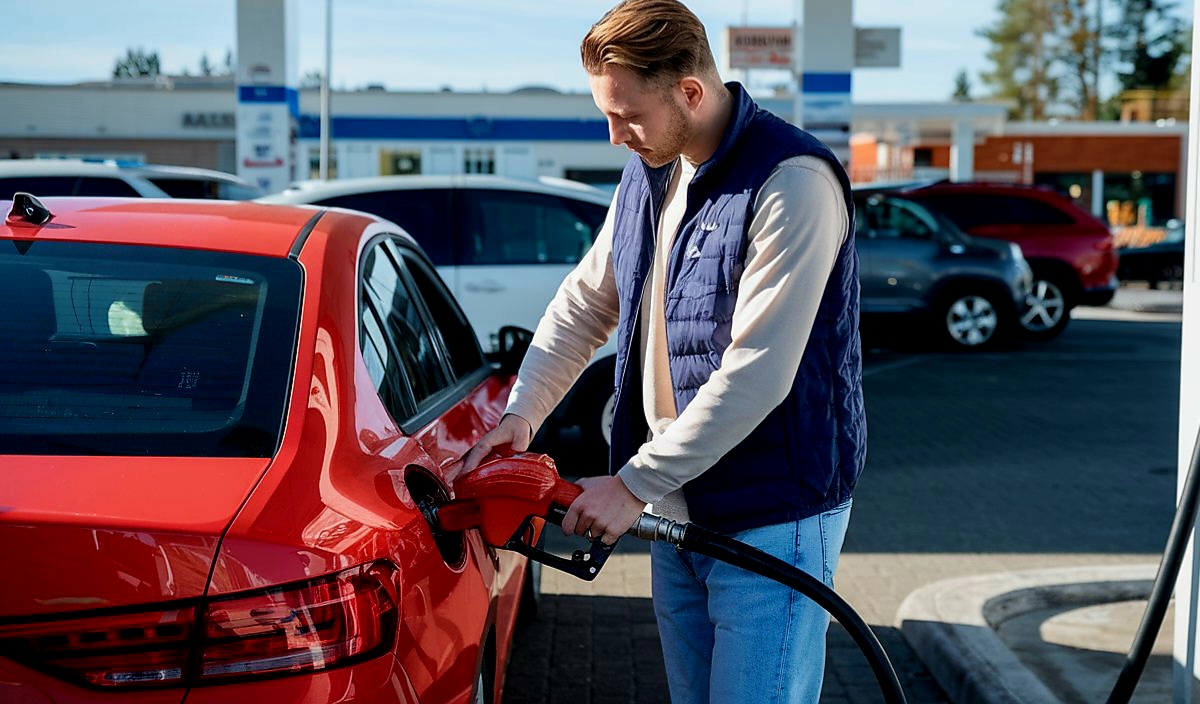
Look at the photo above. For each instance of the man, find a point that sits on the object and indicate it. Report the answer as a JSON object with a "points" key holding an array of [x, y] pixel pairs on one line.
{"points": [[727, 267]]}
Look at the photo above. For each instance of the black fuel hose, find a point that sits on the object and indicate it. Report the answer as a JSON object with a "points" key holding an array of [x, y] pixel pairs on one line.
{"points": [[694, 538], [1164, 585]]}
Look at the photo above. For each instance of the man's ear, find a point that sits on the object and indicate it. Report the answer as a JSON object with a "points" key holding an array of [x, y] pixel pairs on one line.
{"points": [[693, 91]]}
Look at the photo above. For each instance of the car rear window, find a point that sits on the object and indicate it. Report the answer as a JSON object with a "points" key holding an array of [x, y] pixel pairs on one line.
{"points": [[187, 187], [41, 186], [128, 350]]}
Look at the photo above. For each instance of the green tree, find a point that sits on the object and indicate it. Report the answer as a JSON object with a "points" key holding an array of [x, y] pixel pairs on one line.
{"points": [[962, 87], [137, 63], [206, 68], [1023, 56], [1151, 42]]}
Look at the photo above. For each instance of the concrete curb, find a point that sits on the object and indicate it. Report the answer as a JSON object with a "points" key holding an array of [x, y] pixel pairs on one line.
{"points": [[950, 625]]}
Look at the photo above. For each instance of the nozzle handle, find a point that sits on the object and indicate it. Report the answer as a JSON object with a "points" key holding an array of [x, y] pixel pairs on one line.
{"points": [[584, 565]]}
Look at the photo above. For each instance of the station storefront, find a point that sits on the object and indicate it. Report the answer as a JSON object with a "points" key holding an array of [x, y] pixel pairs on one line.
{"points": [[1131, 174]]}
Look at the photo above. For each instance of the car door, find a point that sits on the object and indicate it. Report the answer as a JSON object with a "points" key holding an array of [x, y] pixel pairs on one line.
{"points": [[902, 247], [515, 248], [423, 358]]}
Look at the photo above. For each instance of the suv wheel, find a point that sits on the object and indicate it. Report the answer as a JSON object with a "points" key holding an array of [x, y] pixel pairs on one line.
{"points": [[1046, 311], [969, 320]]}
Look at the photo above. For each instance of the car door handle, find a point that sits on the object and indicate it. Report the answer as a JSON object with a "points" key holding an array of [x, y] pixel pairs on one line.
{"points": [[485, 287]]}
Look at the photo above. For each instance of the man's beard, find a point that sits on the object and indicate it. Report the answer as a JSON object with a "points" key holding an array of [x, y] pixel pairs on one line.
{"points": [[674, 141]]}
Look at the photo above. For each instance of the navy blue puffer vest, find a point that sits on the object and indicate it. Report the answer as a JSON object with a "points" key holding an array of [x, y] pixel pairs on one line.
{"points": [[806, 455]]}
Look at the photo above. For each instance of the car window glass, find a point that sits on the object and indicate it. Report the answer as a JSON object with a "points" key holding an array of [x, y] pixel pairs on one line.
{"points": [[899, 219], [40, 186], [227, 190], [513, 227], [127, 350], [105, 188], [970, 210], [1039, 213], [423, 213], [186, 187], [460, 341], [861, 226], [404, 325], [381, 363]]}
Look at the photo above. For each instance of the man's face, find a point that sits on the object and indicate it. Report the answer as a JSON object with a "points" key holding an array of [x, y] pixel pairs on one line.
{"points": [[641, 115]]}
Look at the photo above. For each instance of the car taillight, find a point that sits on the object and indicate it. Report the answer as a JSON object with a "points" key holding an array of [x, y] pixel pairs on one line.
{"points": [[1104, 245], [349, 616], [292, 628], [118, 650]]}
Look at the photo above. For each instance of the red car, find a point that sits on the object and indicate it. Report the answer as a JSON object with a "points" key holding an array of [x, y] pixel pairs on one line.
{"points": [[1070, 251], [222, 429]]}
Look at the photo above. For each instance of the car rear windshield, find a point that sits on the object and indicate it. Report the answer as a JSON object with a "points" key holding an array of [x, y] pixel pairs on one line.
{"points": [[129, 350]]}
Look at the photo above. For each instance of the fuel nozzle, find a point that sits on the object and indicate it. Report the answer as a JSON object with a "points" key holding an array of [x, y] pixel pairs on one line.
{"points": [[509, 499]]}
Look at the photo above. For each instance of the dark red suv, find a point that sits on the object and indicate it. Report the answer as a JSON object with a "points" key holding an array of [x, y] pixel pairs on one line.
{"points": [[1070, 251]]}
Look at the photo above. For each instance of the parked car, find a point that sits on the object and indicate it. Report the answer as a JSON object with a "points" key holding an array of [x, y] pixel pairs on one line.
{"points": [[73, 177], [504, 246], [222, 429], [1070, 251], [1161, 262], [913, 261]]}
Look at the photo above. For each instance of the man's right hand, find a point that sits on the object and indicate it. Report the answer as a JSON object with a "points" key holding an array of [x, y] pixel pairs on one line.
{"points": [[513, 432]]}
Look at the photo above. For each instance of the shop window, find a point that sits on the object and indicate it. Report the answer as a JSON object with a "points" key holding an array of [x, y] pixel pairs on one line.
{"points": [[314, 163], [399, 163], [1139, 198], [479, 160]]}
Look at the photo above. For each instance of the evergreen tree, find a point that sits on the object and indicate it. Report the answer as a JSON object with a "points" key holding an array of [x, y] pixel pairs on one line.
{"points": [[137, 63], [962, 87], [1151, 42]]}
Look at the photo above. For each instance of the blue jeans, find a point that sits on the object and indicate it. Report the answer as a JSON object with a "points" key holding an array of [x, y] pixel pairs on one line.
{"points": [[729, 635]]}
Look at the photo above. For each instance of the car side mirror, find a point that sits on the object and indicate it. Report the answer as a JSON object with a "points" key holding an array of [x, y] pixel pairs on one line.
{"points": [[513, 344]]}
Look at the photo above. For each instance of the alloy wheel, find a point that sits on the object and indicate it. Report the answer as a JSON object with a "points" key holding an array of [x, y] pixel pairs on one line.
{"points": [[1044, 307], [971, 321]]}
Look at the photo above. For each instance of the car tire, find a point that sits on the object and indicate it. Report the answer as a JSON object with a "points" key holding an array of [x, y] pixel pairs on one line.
{"points": [[593, 410], [970, 319], [1047, 309]]}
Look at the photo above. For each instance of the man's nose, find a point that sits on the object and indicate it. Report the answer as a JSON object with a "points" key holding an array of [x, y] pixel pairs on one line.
{"points": [[617, 134]]}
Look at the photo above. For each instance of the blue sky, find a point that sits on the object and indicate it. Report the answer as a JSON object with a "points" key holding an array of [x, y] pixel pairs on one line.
{"points": [[464, 44]]}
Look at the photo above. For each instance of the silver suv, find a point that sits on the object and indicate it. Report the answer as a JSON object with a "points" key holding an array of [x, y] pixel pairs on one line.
{"points": [[913, 261]]}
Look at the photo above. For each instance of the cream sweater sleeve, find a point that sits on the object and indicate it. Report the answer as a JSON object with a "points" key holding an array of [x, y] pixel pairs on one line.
{"points": [[799, 224], [579, 320]]}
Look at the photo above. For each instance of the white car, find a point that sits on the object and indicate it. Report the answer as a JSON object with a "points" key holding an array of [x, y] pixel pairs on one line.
{"points": [[74, 177], [502, 245]]}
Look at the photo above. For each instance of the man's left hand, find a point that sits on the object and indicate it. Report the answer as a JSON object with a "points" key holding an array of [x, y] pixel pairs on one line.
{"points": [[605, 510]]}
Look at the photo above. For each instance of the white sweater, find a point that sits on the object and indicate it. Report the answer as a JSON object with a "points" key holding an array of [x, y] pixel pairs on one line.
{"points": [[798, 226]]}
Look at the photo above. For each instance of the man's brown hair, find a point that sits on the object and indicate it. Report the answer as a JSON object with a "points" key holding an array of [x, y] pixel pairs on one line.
{"points": [[659, 40]]}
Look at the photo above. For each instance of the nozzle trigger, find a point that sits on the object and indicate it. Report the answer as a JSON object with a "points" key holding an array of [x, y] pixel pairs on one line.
{"points": [[584, 565]]}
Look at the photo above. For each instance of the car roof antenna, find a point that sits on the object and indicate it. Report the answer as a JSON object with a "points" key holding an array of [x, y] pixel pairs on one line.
{"points": [[27, 209]]}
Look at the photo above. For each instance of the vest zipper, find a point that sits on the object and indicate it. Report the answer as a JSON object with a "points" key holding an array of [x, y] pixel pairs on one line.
{"points": [[642, 292]]}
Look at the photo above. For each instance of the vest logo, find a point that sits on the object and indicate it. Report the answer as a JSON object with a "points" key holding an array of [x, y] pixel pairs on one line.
{"points": [[693, 252], [708, 226]]}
